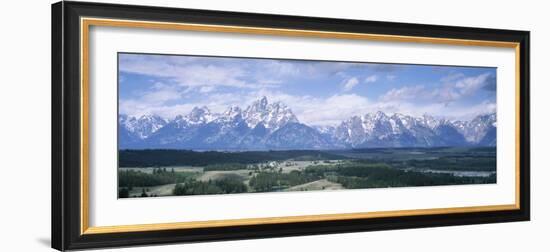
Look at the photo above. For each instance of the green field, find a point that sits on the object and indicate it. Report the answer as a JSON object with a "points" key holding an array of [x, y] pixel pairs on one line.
{"points": [[153, 173]]}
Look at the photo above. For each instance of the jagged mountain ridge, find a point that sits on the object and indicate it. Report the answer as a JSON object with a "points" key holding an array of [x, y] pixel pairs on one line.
{"points": [[265, 126], [143, 126]]}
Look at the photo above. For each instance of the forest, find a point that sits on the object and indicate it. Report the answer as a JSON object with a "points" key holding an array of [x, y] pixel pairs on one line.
{"points": [[160, 157]]}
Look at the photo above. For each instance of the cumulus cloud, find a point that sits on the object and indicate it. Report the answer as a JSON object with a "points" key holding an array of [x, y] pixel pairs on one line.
{"points": [[322, 111], [453, 88], [207, 89], [181, 83], [280, 68], [192, 71], [371, 79], [132, 108], [404, 93], [319, 110], [196, 71], [160, 93], [452, 77], [453, 111], [146, 102], [469, 85], [350, 83]]}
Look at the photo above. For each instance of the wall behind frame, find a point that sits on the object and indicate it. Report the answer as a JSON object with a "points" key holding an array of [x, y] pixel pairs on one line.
{"points": [[25, 125]]}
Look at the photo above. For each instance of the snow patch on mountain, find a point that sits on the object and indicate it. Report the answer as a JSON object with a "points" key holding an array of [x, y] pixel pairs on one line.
{"points": [[272, 116], [264, 125], [143, 126]]}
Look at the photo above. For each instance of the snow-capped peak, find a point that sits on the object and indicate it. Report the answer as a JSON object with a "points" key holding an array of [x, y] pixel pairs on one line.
{"points": [[233, 113], [143, 126], [429, 121], [259, 105], [278, 124], [200, 115], [380, 129], [272, 116], [325, 129], [475, 129], [380, 115]]}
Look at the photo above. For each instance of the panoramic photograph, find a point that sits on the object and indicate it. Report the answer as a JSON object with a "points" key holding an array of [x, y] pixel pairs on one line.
{"points": [[202, 125]]}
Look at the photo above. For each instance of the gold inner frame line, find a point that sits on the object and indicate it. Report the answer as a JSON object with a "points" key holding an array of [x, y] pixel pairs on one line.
{"points": [[86, 23]]}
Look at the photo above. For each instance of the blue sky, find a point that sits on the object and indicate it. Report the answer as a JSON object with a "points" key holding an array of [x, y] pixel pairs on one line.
{"points": [[318, 92]]}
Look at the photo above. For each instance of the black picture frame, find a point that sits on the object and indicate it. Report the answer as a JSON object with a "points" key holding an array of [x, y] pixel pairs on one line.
{"points": [[66, 124]]}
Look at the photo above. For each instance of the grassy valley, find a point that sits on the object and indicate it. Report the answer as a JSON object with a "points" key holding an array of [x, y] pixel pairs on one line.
{"points": [[152, 173]]}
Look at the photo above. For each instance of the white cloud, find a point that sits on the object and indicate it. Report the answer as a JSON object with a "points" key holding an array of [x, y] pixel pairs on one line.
{"points": [[458, 86], [161, 93], [371, 79], [335, 109], [439, 110], [231, 72], [312, 110], [150, 100], [404, 93], [452, 77], [469, 85], [234, 72], [280, 68], [319, 111], [207, 89], [168, 112], [350, 83], [446, 93], [192, 82], [469, 112], [198, 75], [190, 71]]}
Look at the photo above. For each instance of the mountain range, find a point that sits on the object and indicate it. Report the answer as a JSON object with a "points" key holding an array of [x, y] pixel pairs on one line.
{"points": [[273, 126]]}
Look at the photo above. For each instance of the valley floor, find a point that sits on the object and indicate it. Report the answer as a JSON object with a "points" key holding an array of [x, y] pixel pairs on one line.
{"points": [[352, 169]]}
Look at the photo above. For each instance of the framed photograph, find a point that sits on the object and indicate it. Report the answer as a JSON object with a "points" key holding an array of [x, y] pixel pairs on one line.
{"points": [[181, 125]]}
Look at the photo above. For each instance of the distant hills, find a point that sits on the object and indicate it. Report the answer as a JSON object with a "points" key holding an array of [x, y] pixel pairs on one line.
{"points": [[273, 126]]}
